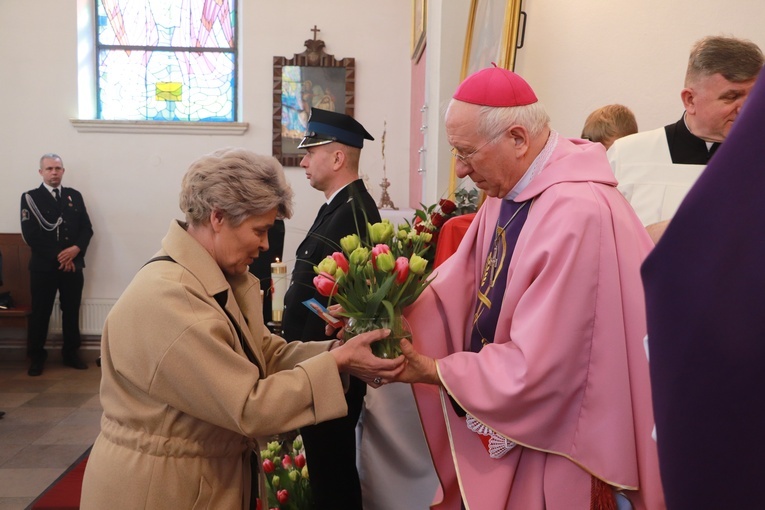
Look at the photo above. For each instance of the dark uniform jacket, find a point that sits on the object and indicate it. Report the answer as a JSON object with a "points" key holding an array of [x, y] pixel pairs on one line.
{"points": [[341, 217], [75, 229]]}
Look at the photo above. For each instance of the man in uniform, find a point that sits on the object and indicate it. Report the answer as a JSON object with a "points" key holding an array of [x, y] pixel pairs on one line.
{"points": [[655, 169], [333, 143], [56, 226]]}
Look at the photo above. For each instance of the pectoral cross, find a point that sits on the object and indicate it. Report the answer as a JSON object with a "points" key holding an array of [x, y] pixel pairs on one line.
{"points": [[314, 30], [492, 262]]}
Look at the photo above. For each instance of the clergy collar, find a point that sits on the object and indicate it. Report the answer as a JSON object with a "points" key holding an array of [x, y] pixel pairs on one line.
{"points": [[536, 166], [708, 144], [685, 148]]}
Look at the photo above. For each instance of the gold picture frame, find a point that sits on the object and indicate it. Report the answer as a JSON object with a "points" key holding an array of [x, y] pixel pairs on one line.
{"points": [[491, 37], [419, 24], [323, 81]]}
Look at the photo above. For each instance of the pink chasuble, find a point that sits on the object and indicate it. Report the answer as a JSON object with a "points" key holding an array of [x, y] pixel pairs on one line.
{"points": [[566, 377]]}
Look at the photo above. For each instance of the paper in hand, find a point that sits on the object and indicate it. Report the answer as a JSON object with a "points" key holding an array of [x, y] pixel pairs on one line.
{"points": [[323, 313]]}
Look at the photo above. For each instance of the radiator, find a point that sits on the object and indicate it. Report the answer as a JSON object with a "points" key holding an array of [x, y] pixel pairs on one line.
{"points": [[93, 314]]}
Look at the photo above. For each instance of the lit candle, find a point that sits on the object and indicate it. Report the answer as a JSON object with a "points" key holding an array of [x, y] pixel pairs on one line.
{"points": [[279, 289]]}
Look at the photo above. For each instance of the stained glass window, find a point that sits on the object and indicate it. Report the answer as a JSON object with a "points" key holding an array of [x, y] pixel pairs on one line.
{"points": [[167, 60]]}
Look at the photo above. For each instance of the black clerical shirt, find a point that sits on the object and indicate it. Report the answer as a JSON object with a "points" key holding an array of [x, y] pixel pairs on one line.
{"points": [[686, 148]]}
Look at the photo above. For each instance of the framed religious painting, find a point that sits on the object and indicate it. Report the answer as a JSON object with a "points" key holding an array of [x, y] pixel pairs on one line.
{"points": [[419, 23], [309, 79], [492, 35]]}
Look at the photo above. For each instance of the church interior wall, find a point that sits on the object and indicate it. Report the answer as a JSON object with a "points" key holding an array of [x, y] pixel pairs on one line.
{"points": [[577, 56], [130, 182]]}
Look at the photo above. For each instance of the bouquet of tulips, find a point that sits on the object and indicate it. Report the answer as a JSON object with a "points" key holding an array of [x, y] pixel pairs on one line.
{"points": [[284, 465], [379, 279]]}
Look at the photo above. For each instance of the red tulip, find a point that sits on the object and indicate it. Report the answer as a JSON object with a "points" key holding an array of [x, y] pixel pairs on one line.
{"points": [[342, 262], [447, 206], [325, 284], [268, 466], [286, 461], [401, 269], [300, 460], [283, 496]]}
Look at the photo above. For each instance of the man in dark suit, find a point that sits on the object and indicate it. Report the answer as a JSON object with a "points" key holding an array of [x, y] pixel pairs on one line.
{"points": [[333, 144], [55, 224]]}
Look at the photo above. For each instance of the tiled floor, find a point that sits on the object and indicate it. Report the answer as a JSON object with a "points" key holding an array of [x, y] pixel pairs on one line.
{"points": [[49, 422]]}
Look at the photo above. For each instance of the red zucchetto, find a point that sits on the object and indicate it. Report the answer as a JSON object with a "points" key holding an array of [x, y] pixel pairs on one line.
{"points": [[497, 87]]}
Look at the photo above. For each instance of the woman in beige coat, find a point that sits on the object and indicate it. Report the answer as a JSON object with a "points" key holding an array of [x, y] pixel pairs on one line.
{"points": [[191, 376]]}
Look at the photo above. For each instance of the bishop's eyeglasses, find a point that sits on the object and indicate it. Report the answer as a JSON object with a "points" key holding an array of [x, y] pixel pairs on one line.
{"points": [[466, 158]]}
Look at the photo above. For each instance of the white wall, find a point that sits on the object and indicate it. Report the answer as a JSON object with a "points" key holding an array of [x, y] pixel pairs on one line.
{"points": [[578, 56], [130, 181], [581, 55]]}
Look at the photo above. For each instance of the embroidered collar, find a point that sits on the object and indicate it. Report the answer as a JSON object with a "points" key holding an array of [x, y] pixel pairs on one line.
{"points": [[536, 166]]}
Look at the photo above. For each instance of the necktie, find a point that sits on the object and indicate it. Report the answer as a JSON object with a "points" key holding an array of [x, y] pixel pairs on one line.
{"points": [[55, 194]]}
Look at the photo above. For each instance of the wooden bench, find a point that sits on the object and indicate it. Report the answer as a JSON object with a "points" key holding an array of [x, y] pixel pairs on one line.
{"points": [[16, 255]]}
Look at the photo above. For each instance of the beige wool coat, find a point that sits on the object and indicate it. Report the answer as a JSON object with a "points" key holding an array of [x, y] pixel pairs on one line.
{"points": [[183, 405]]}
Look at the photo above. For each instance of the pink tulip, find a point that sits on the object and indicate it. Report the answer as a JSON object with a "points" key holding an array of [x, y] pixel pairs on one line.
{"points": [[341, 261], [382, 259], [300, 460], [286, 461], [380, 248], [401, 269], [325, 284]]}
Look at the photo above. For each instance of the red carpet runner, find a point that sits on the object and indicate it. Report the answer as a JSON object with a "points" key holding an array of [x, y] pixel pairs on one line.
{"points": [[64, 493]]}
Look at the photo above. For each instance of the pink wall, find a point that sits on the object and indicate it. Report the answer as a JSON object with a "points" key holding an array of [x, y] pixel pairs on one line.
{"points": [[416, 137]]}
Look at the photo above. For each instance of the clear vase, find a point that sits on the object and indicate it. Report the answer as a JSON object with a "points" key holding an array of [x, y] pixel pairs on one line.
{"points": [[388, 347]]}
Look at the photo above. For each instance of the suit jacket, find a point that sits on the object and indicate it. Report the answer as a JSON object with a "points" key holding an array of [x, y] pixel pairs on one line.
{"points": [[75, 228], [347, 214], [182, 402]]}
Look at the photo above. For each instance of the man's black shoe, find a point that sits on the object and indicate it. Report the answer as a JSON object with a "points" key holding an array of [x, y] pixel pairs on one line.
{"points": [[36, 368], [74, 361]]}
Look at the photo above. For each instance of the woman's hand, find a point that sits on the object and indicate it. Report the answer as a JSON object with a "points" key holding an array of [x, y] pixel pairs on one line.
{"points": [[330, 330], [355, 358]]}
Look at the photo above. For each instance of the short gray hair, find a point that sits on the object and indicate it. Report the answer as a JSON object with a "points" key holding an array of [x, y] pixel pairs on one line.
{"points": [[50, 155], [737, 60], [236, 181]]}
